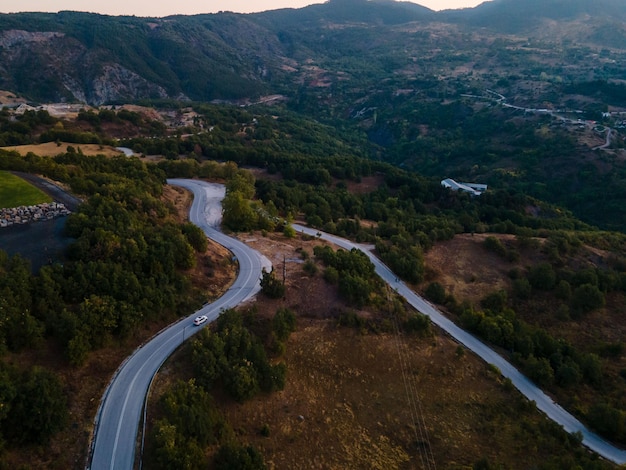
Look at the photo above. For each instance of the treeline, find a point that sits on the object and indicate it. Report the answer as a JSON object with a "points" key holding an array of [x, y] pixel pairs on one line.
{"points": [[126, 263], [614, 93], [34, 406], [352, 272], [251, 136], [22, 130], [233, 357]]}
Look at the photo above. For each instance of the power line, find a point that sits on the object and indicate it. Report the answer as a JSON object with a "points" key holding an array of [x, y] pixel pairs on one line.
{"points": [[420, 429]]}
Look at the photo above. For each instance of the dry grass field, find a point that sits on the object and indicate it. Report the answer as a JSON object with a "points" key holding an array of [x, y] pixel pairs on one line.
{"points": [[51, 149]]}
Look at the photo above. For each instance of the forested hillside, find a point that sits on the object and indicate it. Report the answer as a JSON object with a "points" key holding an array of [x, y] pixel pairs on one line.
{"points": [[345, 116]]}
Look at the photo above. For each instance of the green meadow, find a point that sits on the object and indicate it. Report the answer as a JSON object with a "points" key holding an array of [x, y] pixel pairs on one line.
{"points": [[16, 192]]}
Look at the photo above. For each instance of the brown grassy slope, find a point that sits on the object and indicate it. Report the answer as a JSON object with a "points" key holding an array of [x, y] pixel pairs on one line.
{"points": [[345, 404], [470, 272]]}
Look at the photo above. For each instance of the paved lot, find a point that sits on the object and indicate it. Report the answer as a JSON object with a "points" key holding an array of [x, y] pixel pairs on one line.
{"points": [[40, 242]]}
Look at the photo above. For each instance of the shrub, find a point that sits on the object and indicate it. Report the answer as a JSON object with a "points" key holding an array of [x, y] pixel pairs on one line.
{"points": [[271, 286], [417, 323], [587, 298], [283, 323], [310, 267], [542, 276], [494, 245], [231, 456], [436, 293]]}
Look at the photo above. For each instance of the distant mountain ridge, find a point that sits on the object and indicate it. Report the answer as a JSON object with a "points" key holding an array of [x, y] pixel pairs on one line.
{"points": [[98, 59], [519, 15]]}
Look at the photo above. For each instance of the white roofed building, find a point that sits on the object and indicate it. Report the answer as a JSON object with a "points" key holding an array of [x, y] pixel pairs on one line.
{"points": [[473, 188]]}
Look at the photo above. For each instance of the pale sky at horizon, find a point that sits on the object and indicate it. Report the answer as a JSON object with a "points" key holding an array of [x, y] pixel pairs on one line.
{"points": [[152, 8]]}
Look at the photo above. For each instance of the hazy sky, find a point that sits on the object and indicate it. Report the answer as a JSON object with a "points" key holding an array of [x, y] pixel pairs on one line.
{"points": [[185, 7]]}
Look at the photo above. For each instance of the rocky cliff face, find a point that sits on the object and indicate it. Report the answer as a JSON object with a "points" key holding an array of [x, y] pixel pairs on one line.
{"points": [[50, 65]]}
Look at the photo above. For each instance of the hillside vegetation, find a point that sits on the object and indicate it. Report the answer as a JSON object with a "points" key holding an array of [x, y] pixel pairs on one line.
{"points": [[345, 116], [125, 235]]}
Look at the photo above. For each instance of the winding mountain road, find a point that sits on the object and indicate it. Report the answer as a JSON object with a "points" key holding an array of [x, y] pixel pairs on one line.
{"points": [[544, 403], [120, 411], [118, 418]]}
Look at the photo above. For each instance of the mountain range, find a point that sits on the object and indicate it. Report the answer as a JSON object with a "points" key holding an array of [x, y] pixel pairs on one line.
{"points": [[97, 59]]}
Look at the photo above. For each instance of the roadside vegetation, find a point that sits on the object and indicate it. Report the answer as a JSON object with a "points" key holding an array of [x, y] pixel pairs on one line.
{"points": [[233, 358]]}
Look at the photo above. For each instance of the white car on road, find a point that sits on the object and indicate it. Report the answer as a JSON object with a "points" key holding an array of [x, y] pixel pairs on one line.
{"points": [[200, 320]]}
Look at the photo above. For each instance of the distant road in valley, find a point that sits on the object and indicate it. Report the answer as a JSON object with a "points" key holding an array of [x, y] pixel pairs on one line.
{"points": [[544, 403], [120, 411]]}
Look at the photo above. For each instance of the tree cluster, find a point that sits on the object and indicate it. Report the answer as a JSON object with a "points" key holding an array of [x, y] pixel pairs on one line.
{"points": [[33, 405], [353, 272], [234, 358]]}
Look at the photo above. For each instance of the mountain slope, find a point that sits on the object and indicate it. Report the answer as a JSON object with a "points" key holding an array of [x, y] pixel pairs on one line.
{"points": [[98, 59], [515, 16]]}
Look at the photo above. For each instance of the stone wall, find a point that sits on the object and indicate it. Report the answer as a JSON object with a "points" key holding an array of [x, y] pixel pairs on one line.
{"points": [[27, 214]]}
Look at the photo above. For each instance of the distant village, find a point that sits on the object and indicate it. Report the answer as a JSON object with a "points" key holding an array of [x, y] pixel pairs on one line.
{"points": [[27, 214]]}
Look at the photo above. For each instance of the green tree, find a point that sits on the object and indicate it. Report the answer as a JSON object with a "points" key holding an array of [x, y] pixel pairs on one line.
{"points": [[196, 237], [586, 298], [191, 410], [539, 370], [175, 450], [542, 276], [238, 213], [283, 323], [243, 183], [271, 286], [289, 231], [39, 409], [234, 456], [495, 301], [435, 292], [609, 421]]}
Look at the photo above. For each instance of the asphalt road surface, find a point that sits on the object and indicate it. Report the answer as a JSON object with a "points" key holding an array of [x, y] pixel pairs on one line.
{"points": [[54, 191], [544, 403], [117, 422]]}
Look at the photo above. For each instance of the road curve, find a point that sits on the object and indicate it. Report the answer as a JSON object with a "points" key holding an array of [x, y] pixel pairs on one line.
{"points": [[117, 421], [544, 403]]}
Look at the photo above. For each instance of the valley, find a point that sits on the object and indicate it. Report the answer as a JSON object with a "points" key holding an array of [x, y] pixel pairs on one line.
{"points": [[343, 117]]}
